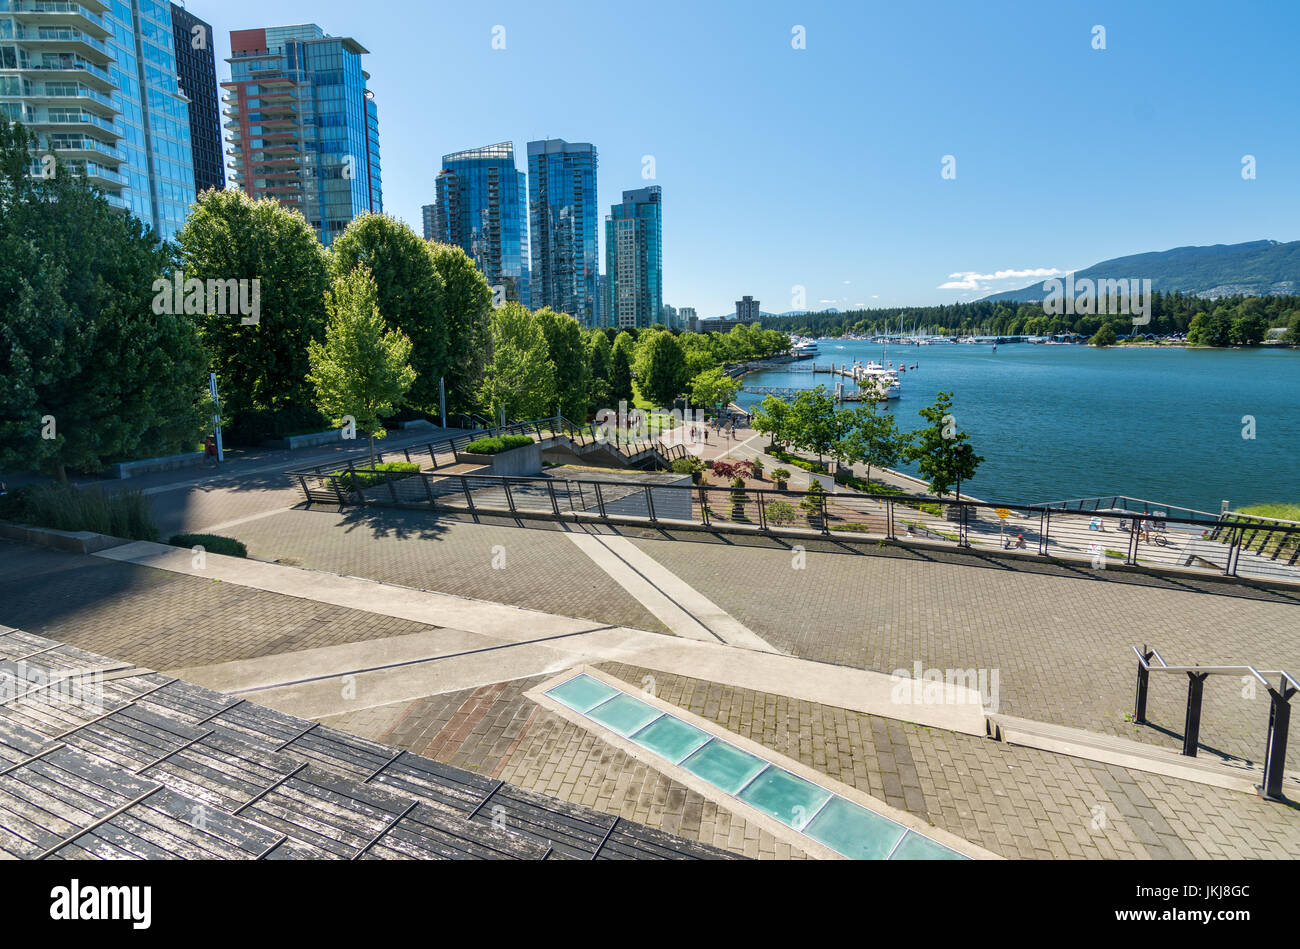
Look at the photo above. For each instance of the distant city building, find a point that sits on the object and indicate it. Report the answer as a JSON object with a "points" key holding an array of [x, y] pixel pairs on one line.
{"points": [[562, 215], [602, 304], [96, 82], [634, 259], [747, 310], [196, 72], [427, 213], [669, 317], [687, 319], [304, 126], [481, 206]]}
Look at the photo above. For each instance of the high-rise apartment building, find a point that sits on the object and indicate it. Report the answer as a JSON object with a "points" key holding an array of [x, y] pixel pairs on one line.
{"points": [[481, 206], [634, 259], [562, 213], [747, 310], [304, 126], [196, 72], [96, 81], [427, 213]]}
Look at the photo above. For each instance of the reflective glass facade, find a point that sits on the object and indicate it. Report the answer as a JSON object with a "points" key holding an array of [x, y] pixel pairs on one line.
{"points": [[481, 207], [305, 125], [97, 83], [563, 226], [634, 260], [196, 71]]}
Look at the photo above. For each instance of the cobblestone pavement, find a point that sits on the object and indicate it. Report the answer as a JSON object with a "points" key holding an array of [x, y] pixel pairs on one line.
{"points": [[164, 620], [496, 731], [1059, 639], [1017, 802], [534, 569]]}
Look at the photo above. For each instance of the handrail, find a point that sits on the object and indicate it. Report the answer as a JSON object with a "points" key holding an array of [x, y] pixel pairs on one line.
{"points": [[1279, 717]]}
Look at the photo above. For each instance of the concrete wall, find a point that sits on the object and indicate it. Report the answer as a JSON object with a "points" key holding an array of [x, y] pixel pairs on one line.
{"points": [[133, 469], [522, 462], [79, 542]]}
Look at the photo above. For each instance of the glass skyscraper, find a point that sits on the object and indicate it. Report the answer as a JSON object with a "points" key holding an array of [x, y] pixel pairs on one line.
{"points": [[196, 71], [96, 81], [634, 260], [563, 224], [481, 206], [305, 127]]}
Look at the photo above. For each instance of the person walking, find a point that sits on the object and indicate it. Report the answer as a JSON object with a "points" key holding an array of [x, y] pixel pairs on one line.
{"points": [[210, 457]]}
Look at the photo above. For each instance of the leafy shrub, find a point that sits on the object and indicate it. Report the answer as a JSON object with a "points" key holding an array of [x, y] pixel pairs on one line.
{"points": [[780, 513], [124, 514], [496, 444], [688, 465], [380, 474], [780, 474], [252, 427], [211, 543]]}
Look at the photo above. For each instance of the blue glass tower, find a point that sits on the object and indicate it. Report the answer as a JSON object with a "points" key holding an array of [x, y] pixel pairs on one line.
{"points": [[305, 127], [562, 215], [634, 260], [96, 81], [481, 207]]}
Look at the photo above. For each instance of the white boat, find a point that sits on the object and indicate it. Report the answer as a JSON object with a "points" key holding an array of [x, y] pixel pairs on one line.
{"points": [[804, 348]]}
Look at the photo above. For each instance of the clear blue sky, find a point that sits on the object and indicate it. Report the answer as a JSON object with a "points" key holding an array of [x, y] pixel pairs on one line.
{"points": [[820, 167]]}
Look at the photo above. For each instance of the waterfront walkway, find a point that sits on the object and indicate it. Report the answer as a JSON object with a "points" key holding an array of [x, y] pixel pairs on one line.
{"points": [[447, 623]]}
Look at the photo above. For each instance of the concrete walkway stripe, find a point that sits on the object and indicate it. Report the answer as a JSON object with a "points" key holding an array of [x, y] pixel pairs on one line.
{"points": [[674, 602]]}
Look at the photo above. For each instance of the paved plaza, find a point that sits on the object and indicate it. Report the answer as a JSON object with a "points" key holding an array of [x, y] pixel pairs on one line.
{"points": [[1054, 642]]}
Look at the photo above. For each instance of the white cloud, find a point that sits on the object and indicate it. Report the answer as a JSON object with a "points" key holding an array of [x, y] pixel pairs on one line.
{"points": [[973, 280]]}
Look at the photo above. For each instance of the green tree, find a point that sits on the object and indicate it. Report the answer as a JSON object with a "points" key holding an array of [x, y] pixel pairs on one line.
{"points": [[942, 453], [467, 313], [229, 236], [1104, 336], [600, 361], [1249, 329], [772, 418], [712, 388], [362, 369], [568, 355], [410, 293], [89, 373], [873, 439], [812, 424], [519, 381], [1293, 329], [660, 367], [620, 374]]}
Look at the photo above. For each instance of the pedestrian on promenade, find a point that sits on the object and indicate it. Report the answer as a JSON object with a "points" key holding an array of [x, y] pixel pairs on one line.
{"points": [[210, 452]]}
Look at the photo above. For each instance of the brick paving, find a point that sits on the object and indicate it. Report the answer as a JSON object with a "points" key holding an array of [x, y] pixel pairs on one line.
{"points": [[1017, 802], [162, 620], [534, 569], [496, 731]]}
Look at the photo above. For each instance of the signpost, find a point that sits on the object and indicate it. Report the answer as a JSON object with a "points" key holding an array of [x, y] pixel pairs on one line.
{"points": [[216, 417], [1002, 514]]}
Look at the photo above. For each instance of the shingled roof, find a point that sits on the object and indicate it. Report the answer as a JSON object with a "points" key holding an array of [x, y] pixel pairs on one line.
{"points": [[158, 768]]}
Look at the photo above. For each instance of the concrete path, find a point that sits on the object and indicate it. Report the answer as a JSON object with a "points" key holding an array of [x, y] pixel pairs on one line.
{"points": [[483, 639], [674, 602]]}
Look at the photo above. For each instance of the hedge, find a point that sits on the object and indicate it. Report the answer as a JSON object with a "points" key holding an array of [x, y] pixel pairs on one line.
{"points": [[379, 474], [211, 543], [497, 444]]}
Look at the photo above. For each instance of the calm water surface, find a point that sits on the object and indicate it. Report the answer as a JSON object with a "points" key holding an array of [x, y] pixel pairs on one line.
{"points": [[1058, 422]]}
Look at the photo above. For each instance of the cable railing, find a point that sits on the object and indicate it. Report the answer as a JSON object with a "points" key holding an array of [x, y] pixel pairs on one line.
{"points": [[1279, 715], [1100, 538]]}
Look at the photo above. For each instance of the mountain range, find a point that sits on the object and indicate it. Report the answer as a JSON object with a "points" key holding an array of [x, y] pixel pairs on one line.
{"points": [[1258, 268]]}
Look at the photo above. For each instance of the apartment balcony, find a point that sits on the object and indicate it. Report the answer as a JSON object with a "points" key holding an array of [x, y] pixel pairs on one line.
{"points": [[83, 96], [65, 40], [87, 149], [86, 15], [94, 125], [79, 70]]}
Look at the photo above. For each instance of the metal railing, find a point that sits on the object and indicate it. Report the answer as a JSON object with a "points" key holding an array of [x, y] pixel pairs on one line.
{"points": [[1279, 715], [1101, 538]]}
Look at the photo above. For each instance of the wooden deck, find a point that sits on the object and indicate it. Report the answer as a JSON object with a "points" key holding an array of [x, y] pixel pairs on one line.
{"points": [[159, 769]]}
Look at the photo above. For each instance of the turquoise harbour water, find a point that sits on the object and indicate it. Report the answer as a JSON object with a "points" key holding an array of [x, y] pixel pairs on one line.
{"points": [[1061, 422]]}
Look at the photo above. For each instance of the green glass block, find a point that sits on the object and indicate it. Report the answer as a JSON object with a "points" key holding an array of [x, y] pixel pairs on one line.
{"points": [[582, 693], [853, 831], [918, 847], [724, 766], [780, 794], [671, 738], [624, 714]]}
